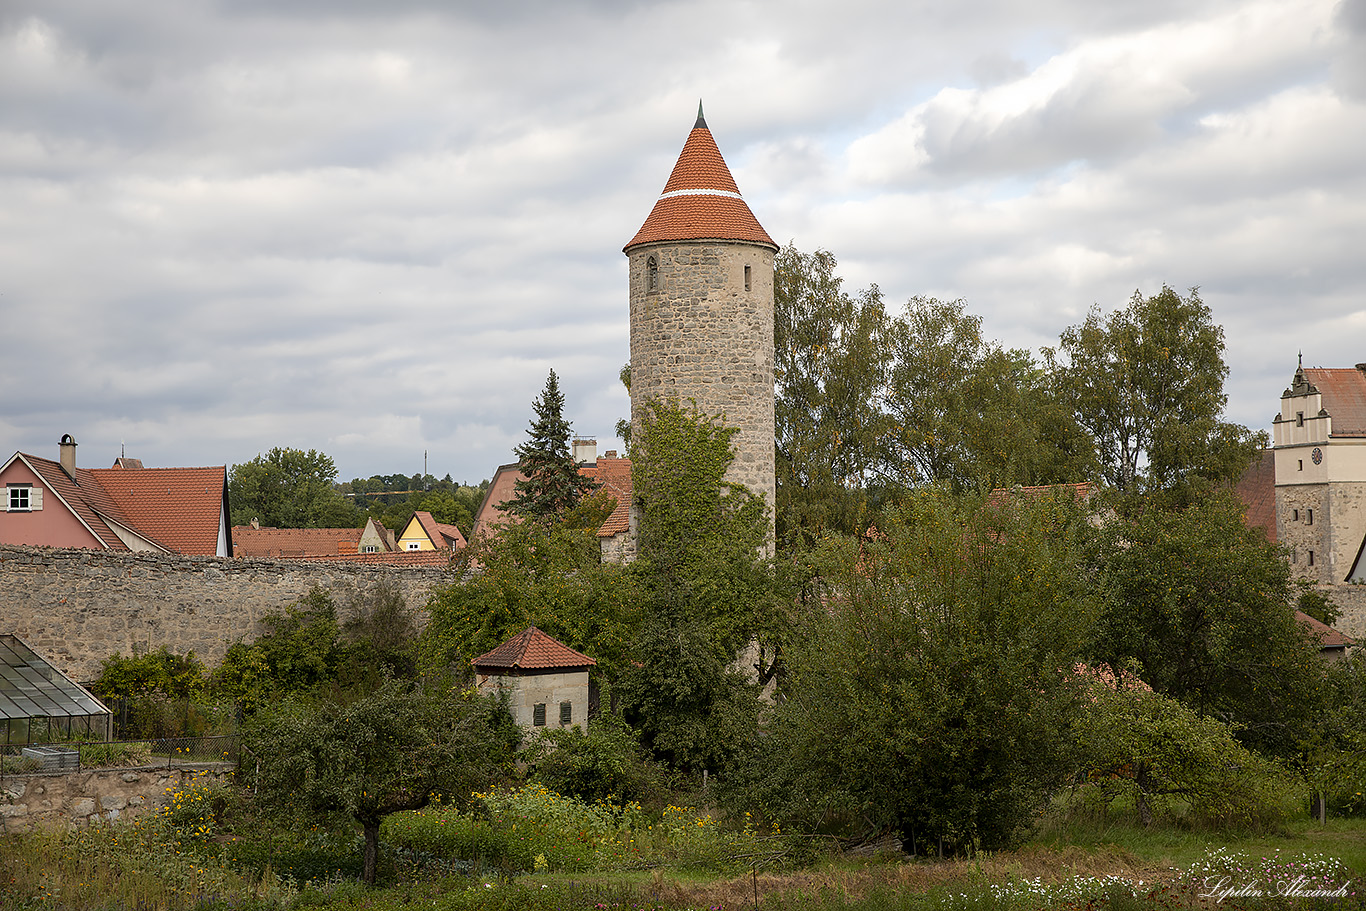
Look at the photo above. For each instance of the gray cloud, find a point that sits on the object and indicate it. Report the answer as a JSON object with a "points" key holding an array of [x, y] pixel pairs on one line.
{"points": [[373, 228]]}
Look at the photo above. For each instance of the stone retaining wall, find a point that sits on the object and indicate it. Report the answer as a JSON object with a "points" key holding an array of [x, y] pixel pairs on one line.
{"points": [[74, 799], [77, 607]]}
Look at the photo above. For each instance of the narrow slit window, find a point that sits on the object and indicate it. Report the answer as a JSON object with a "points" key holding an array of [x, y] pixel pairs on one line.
{"points": [[1311, 558], [538, 715], [1309, 520], [1294, 515], [1299, 419], [1301, 468], [747, 278], [651, 274]]}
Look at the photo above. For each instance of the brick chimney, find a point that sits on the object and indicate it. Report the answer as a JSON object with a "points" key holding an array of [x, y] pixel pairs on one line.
{"points": [[67, 450]]}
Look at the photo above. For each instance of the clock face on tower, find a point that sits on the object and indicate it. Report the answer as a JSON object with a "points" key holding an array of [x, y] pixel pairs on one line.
{"points": [[1317, 455]]}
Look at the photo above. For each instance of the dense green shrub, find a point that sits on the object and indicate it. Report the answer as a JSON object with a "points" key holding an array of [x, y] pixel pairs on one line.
{"points": [[159, 694], [607, 763], [928, 693], [532, 829], [1168, 760]]}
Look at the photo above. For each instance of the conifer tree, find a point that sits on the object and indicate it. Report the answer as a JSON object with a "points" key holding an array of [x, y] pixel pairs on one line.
{"points": [[552, 481]]}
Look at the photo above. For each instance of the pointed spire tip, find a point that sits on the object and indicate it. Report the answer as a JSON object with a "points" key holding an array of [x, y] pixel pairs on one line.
{"points": [[701, 121]]}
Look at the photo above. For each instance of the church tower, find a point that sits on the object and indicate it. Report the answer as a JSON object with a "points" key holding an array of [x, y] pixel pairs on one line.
{"points": [[701, 273]]}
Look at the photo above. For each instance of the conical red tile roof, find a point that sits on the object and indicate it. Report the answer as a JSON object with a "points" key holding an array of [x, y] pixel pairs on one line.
{"points": [[701, 200], [532, 649]]}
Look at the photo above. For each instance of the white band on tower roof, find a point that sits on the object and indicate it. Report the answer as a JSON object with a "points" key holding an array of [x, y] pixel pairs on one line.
{"points": [[672, 193]]}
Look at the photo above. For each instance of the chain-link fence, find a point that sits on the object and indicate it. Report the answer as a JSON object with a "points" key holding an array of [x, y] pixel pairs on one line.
{"points": [[170, 752]]}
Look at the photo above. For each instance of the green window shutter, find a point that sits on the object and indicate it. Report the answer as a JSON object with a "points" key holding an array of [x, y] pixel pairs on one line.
{"points": [[566, 713], [538, 715]]}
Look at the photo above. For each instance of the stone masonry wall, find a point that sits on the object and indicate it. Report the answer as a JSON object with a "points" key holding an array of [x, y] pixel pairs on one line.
{"points": [[1333, 538], [73, 799], [1351, 601], [77, 607], [526, 691], [702, 335], [1293, 505]]}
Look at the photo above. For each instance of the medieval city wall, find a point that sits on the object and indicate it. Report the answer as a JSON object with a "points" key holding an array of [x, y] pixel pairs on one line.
{"points": [[77, 607]]}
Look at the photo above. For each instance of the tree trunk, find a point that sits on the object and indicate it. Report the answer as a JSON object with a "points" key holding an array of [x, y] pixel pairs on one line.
{"points": [[371, 851], [1145, 812]]}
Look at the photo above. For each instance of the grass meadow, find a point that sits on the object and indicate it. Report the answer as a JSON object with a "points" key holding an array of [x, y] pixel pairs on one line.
{"points": [[529, 848]]}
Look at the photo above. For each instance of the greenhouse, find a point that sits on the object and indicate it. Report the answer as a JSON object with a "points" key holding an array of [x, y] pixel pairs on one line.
{"points": [[39, 704]]}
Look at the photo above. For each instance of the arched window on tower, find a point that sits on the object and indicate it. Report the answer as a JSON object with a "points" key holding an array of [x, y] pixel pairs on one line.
{"points": [[651, 274]]}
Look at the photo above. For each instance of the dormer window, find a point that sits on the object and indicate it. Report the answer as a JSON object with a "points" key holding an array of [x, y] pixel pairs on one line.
{"points": [[651, 274]]}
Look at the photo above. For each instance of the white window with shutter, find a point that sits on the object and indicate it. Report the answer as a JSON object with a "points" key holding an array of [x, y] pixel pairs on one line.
{"points": [[23, 498]]}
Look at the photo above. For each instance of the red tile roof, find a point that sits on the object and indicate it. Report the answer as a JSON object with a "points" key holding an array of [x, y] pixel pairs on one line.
{"points": [[1328, 638], [85, 497], [1344, 397], [532, 649], [386, 558], [1002, 495], [181, 508], [700, 200], [248, 541], [455, 536], [613, 474], [1257, 490], [615, 477]]}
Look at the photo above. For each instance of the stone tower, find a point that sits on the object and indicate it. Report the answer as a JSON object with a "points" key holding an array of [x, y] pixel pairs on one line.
{"points": [[701, 272]]}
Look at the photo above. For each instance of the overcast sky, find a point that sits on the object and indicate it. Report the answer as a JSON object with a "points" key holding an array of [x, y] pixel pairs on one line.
{"points": [[372, 228]]}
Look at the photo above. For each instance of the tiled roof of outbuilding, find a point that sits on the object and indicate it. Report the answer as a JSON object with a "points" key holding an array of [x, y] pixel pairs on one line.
{"points": [[701, 200], [1344, 397], [532, 649], [1326, 636]]}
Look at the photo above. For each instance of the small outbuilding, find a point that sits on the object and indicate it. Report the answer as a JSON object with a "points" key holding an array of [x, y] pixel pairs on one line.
{"points": [[546, 681], [40, 704]]}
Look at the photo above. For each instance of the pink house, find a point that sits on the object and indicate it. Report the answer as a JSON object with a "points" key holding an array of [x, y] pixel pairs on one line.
{"points": [[127, 507]]}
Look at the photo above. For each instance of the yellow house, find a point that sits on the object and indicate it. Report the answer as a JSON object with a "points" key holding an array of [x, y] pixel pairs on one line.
{"points": [[425, 533]]}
